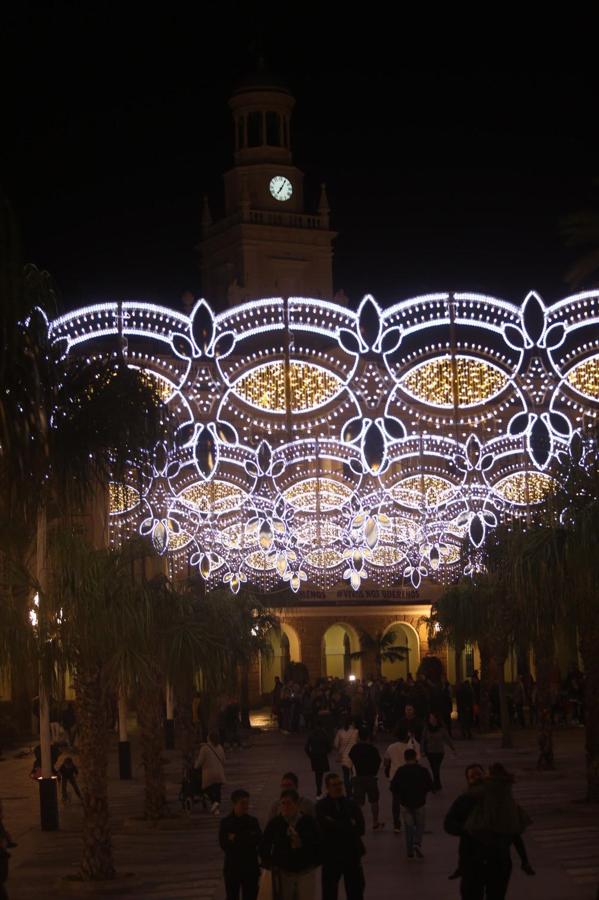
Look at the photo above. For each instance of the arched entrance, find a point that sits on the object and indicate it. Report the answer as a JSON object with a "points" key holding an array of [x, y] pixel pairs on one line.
{"points": [[405, 636], [338, 643], [286, 649]]}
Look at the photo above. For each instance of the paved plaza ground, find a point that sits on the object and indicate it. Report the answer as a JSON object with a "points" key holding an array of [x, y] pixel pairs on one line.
{"points": [[185, 861]]}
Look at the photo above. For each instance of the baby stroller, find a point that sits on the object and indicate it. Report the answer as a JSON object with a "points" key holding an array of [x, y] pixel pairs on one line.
{"points": [[191, 788]]}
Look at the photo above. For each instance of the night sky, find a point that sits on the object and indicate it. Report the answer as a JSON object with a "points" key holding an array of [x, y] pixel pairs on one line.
{"points": [[440, 177]]}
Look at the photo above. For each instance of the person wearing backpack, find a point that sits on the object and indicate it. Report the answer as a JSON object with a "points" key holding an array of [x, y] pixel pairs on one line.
{"points": [[488, 821]]}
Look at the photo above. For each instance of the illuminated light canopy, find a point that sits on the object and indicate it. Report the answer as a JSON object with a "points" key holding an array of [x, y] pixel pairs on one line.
{"points": [[416, 490], [312, 493], [310, 387], [585, 378], [260, 561], [432, 382], [214, 496], [386, 555], [161, 385], [177, 540], [324, 531], [238, 537], [326, 558], [395, 438], [523, 488], [449, 553], [121, 498]]}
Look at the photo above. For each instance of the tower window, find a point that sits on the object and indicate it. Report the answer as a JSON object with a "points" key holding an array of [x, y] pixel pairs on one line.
{"points": [[273, 129], [255, 129], [240, 124]]}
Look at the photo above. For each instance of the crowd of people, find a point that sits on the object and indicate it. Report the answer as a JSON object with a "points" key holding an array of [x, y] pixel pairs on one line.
{"points": [[381, 703], [344, 723], [281, 859]]}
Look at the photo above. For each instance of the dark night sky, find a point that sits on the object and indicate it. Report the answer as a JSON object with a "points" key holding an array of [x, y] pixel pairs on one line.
{"points": [[440, 176]]}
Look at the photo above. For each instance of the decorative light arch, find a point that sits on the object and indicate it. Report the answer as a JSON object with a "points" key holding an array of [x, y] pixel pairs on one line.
{"points": [[317, 444]]}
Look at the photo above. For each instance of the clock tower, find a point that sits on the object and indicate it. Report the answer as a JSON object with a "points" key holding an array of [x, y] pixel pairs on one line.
{"points": [[267, 244]]}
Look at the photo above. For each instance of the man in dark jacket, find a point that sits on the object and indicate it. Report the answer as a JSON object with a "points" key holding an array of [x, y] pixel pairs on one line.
{"points": [[291, 848], [411, 723], [239, 837], [366, 761], [485, 867], [342, 827], [412, 782], [318, 747]]}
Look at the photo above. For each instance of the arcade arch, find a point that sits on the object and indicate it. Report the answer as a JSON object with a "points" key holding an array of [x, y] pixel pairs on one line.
{"points": [[338, 643], [286, 648], [405, 636]]}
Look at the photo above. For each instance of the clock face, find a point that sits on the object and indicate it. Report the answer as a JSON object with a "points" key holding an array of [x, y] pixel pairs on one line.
{"points": [[280, 187]]}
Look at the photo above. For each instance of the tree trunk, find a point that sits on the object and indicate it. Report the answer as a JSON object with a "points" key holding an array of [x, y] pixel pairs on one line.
{"points": [[544, 661], [589, 641], [96, 862], [484, 715], [185, 731], [459, 657], [244, 695], [149, 713], [506, 725]]}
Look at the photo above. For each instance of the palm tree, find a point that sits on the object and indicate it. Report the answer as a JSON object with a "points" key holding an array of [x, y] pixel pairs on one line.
{"points": [[249, 639], [93, 593], [65, 425], [579, 503], [457, 619], [536, 578], [382, 647]]}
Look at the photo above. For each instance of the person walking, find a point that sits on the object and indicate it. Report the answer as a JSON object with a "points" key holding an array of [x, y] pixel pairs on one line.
{"points": [[290, 847], [465, 706], [6, 843], [411, 723], [342, 827], [211, 760], [290, 782], [68, 772], [411, 783], [434, 740], [392, 760], [345, 739], [366, 761], [487, 820], [318, 747], [239, 837]]}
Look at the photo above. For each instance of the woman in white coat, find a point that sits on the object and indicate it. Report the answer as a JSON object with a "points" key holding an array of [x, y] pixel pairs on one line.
{"points": [[345, 739]]}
